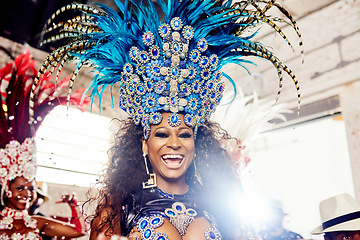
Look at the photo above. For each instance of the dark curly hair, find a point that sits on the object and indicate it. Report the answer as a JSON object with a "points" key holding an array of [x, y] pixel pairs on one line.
{"points": [[126, 171]]}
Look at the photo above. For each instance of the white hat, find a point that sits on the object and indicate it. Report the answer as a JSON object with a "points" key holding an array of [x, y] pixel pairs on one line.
{"points": [[339, 213]]}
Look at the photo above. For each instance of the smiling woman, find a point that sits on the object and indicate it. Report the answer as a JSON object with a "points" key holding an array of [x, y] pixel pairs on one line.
{"points": [[170, 151], [18, 154], [168, 176], [22, 193], [190, 179]]}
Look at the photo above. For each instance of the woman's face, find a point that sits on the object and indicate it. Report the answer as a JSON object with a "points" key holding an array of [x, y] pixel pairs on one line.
{"points": [[23, 193], [170, 149]]}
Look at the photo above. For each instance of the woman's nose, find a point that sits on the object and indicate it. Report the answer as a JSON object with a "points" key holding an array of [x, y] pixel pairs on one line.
{"points": [[174, 142], [27, 192]]}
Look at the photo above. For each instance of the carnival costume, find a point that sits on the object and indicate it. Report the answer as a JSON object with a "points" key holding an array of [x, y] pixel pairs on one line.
{"points": [[17, 143], [170, 63]]}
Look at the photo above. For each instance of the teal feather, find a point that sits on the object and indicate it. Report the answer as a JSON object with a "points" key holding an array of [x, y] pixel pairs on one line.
{"points": [[224, 25]]}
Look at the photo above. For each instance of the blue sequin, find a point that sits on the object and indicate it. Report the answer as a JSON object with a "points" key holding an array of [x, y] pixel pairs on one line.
{"points": [[191, 211], [195, 55], [205, 74], [155, 118], [174, 118], [191, 72], [204, 92], [189, 119], [177, 23], [174, 71], [148, 38], [171, 213], [214, 59], [151, 102], [176, 47], [134, 53], [196, 86], [188, 33], [217, 76], [137, 100], [164, 30], [143, 57], [147, 233], [156, 69], [210, 85], [135, 79], [155, 52], [204, 61], [143, 224], [221, 88], [160, 87], [179, 208], [130, 89], [149, 84], [155, 221]]}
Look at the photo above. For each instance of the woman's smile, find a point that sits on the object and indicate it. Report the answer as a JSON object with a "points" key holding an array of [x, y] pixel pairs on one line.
{"points": [[170, 151], [23, 193], [173, 161]]}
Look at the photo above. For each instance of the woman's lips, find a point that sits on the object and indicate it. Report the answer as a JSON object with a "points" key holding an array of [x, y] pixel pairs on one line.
{"points": [[172, 160], [24, 200]]}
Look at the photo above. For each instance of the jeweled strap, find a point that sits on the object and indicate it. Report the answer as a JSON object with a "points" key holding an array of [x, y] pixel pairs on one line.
{"points": [[146, 227], [180, 217], [212, 233]]}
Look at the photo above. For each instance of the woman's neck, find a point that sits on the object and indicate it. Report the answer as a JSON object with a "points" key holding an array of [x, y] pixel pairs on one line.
{"points": [[175, 187]]}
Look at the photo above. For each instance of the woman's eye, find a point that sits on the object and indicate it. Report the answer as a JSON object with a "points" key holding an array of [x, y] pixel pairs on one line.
{"points": [[20, 189], [161, 135], [185, 135]]}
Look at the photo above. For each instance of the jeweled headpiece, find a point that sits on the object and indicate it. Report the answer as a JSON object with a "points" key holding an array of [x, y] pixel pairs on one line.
{"points": [[17, 145], [169, 65]]}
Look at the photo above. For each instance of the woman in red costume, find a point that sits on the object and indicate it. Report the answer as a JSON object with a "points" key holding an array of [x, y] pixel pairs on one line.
{"points": [[17, 153]]}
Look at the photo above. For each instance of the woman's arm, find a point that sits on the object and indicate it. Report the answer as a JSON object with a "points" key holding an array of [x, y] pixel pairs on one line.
{"points": [[51, 227]]}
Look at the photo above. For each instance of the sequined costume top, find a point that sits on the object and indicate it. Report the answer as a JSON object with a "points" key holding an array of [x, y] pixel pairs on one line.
{"points": [[159, 215], [17, 225]]}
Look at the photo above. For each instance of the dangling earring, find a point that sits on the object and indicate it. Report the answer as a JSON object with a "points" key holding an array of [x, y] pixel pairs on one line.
{"points": [[151, 182], [8, 194], [197, 175]]}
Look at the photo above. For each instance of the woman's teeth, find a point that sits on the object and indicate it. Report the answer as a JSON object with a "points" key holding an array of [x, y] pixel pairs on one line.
{"points": [[24, 200], [172, 158]]}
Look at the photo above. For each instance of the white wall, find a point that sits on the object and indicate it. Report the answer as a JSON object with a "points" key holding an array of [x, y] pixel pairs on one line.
{"points": [[301, 165]]}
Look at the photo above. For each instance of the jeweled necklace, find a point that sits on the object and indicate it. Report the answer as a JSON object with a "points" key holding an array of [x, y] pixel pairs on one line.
{"points": [[8, 215]]}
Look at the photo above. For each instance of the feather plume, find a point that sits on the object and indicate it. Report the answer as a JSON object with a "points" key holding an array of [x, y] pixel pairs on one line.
{"points": [[16, 79], [108, 36]]}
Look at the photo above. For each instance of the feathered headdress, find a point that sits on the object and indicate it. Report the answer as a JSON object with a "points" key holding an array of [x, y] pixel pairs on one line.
{"points": [[164, 65], [17, 146]]}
